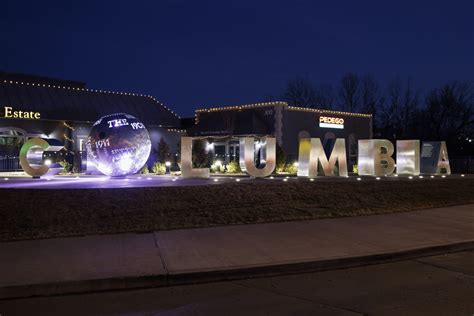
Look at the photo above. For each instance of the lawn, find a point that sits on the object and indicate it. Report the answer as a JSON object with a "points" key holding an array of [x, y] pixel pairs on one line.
{"points": [[34, 214]]}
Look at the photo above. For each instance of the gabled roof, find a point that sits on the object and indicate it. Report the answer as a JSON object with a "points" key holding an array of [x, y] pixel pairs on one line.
{"points": [[72, 103]]}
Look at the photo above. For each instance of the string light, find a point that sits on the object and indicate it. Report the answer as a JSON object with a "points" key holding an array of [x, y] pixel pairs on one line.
{"points": [[277, 103], [95, 91]]}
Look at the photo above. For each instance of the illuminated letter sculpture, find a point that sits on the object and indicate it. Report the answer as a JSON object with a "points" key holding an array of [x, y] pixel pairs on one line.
{"points": [[187, 170], [408, 157], [247, 154], [311, 154], [118, 144], [434, 158], [375, 157], [31, 156]]}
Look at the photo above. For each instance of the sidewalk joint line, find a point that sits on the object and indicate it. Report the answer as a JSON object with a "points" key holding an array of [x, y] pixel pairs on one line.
{"points": [[160, 253]]}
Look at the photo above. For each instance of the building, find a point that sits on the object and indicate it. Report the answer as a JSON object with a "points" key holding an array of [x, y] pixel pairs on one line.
{"points": [[62, 111], [224, 125]]}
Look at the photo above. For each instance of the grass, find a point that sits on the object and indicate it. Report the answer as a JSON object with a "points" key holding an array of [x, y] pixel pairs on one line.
{"points": [[35, 214]]}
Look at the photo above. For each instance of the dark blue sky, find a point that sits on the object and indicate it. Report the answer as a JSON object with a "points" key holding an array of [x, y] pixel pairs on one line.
{"points": [[192, 54]]}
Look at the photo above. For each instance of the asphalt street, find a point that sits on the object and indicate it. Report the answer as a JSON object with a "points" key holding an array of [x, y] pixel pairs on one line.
{"points": [[439, 285]]}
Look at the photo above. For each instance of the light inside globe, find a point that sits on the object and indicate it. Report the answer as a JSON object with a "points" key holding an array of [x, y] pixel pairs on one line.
{"points": [[118, 145]]}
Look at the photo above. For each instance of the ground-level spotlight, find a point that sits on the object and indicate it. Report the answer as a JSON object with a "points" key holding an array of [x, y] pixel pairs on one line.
{"points": [[237, 180], [432, 177], [296, 164], [395, 175], [148, 178], [410, 177], [47, 162], [443, 176], [359, 179], [286, 179], [271, 177], [215, 180], [462, 175], [421, 177], [173, 180], [378, 178], [6, 179], [311, 179]]}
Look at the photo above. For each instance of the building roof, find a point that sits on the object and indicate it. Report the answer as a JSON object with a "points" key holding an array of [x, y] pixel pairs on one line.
{"points": [[73, 103], [277, 103]]}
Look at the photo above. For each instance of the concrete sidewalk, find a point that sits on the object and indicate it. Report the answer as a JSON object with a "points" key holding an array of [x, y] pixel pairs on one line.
{"points": [[92, 263]]}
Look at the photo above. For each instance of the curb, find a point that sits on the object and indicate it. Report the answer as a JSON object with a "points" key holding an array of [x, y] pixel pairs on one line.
{"points": [[127, 283]]}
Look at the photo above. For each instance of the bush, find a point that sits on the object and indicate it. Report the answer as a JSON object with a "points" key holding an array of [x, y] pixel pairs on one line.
{"points": [[217, 168], [66, 167], [355, 168], [145, 170], [158, 168], [233, 167], [291, 168]]}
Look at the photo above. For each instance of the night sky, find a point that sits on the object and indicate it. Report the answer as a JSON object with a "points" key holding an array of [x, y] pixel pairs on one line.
{"points": [[193, 54]]}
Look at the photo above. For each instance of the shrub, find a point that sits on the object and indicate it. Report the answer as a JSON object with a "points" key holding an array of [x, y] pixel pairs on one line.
{"points": [[233, 167], [145, 170], [158, 168], [355, 168], [291, 168], [66, 166], [220, 168]]}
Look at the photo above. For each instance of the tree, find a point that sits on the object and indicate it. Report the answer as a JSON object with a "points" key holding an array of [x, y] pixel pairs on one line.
{"points": [[370, 97], [450, 111], [300, 92], [397, 119], [280, 159], [163, 150], [200, 158], [349, 92], [325, 97]]}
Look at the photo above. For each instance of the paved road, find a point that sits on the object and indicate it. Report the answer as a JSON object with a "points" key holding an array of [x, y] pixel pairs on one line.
{"points": [[440, 285]]}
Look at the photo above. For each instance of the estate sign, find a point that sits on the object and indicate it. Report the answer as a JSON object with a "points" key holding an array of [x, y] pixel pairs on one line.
{"points": [[9, 112]]}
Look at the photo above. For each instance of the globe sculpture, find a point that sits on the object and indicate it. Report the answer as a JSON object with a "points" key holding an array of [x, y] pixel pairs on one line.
{"points": [[118, 145]]}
